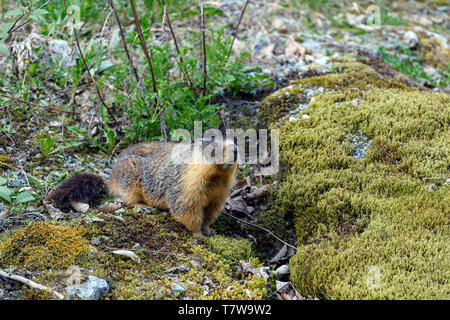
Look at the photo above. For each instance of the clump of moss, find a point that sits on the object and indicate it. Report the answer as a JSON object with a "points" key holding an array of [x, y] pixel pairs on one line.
{"points": [[402, 254], [43, 246], [231, 248], [434, 52], [354, 76], [336, 200]]}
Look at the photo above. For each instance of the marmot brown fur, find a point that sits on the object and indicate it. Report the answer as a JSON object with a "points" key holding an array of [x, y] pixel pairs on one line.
{"points": [[191, 183]]}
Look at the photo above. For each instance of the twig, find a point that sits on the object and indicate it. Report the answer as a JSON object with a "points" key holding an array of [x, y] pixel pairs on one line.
{"points": [[124, 43], [202, 26], [14, 28], [237, 28], [34, 104], [262, 228], [31, 284], [87, 68], [144, 47], [180, 57], [434, 178]]}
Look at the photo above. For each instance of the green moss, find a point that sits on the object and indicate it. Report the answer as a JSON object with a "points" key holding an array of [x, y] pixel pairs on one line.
{"points": [[351, 78], [433, 52], [43, 245], [231, 248], [406, 243], [335, 201], [161, 243]]}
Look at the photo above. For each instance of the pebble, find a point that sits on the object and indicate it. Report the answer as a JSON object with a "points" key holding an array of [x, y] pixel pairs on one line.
{"points": [[92, 289], [177, 287], [411, 39], [282, 271]]}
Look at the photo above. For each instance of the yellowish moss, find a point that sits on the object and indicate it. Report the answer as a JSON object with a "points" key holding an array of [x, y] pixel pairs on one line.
{"points": [[336, 201], [231, 248], [43, 245], [351, 79], [433, 52]]}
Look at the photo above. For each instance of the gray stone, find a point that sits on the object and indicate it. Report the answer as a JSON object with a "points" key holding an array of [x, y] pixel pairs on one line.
{"points": [[92, 289], [282, 272], [411, 39], [177, 287]]}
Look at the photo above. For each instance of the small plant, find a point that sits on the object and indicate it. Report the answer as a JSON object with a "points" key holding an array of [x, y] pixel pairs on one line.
{"points": [[46, 146], [410, 65], [7, 194]]}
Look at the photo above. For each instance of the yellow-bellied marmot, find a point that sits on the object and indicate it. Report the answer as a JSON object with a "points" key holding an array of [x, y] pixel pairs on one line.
{"points": [[192, 181]]}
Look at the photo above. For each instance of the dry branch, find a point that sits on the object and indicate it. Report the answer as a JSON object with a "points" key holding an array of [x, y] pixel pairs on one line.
{"points": [[237, 28], [108, 109], [144, 47], [202, 27], [180, 57], [31, 284], [262, 228], [34, 104]]}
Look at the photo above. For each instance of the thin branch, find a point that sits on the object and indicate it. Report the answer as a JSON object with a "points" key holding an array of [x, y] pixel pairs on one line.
{"points": [[202, 26], [144, 47], [180, 57], [14, 28], [34, 104], [262, 228], [124, 43], [31, 284], [237, 28], [87, 68]]}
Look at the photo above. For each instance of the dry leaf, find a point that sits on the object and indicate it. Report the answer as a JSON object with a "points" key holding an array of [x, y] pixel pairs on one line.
{"points": [[293, 49], [127, 253], [257, 193], [80, 207], [242, 183], [109, 207], [54, 212]]}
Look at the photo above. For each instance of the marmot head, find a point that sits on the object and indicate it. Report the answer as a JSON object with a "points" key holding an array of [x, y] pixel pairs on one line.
{"points": [[223, 153]]}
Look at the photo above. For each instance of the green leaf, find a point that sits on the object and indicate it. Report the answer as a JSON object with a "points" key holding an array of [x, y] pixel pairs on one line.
{"points": [[5, 193], [4, 50], [24, 197], [14, 12], [3, 181], [40, 12], [104, 66], [46, 146]]}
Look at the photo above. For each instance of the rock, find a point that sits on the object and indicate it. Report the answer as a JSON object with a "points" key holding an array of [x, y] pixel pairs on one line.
{"points": [[282, 272], [180, 268], [410, 39], [196, 263], [279, 25], [432, 188], [280, 284], [177, 287], [260, 42], [92, 289], [56, 50]]}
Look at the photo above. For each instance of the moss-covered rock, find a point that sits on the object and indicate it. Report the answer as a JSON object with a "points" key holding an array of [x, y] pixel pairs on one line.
{"points": [[44, 246], [353, 185]]}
